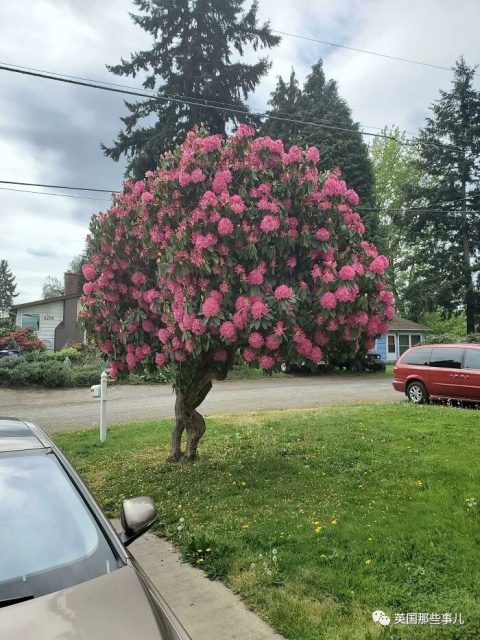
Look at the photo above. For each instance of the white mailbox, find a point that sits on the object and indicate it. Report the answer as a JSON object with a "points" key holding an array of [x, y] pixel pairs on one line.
{"points": [[96, 390]]}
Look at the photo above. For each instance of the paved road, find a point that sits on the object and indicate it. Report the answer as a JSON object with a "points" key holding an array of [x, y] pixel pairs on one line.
{"points": [[73, 409]]}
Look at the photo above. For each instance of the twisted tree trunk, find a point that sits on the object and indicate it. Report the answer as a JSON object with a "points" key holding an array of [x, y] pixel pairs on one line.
{"points": [[188, 398], [188, 419]]}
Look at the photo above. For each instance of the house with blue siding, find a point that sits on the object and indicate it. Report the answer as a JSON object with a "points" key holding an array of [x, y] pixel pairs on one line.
{"points": [[402, 335]]}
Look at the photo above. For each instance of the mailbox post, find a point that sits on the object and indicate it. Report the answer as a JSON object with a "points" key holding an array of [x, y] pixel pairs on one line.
{"points": [[100, 391]]}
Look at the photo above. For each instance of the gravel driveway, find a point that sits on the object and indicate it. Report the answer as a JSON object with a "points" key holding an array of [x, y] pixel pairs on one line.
{"points": [[73, 409]]}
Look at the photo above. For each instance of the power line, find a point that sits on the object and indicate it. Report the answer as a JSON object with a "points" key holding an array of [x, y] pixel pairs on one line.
{"points": [[414, 210], [65, 195], [204, 103], [154, 93], [55, 186], [58, 195], [339, 46], [366, 51]]}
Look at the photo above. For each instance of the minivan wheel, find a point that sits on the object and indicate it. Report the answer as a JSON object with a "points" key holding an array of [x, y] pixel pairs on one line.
{"points": [[416, 393]]}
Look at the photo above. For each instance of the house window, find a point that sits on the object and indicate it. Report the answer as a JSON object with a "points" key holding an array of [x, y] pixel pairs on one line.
{"points": [[31, 320], [415, 339], [391, 344], [403, 343]]}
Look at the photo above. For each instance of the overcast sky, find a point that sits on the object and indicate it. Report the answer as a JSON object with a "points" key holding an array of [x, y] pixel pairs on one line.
{"points": [[51, 133]]}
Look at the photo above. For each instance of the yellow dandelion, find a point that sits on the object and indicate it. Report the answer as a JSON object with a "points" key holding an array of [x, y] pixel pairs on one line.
{"points": [[208, 549], [200, 560], [368, 561], [334, 521], [316, 523], [318, 529], [245, 526]]}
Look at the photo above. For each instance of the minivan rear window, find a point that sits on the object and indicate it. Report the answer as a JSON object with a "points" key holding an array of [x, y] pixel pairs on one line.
{"points": [[419, 356], [472, 359], [448, 357]]}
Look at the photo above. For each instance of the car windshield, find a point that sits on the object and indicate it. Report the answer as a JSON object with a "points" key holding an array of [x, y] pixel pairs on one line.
{"points": [[49, 540]]}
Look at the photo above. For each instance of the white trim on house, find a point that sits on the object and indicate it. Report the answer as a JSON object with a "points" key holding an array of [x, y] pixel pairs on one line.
{"points": [[50, 316], [399, 341]]}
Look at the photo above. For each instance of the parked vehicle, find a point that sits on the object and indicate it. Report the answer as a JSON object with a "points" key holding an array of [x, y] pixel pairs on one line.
{"points": [[369, 361], [363, 361], [372, 361], [64, 571], [9, 353], [439, 372]]}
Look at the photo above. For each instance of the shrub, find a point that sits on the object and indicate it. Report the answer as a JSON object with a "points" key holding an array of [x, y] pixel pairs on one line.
{"points": [[234, 243], [442, 338], [85, 376], [73, 354], [473, 337], [38, 356], [23, 339], [55, 374]]}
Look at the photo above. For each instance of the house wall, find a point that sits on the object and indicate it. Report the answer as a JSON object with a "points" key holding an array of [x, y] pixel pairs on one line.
{"points": [[381, 346], [50, 316], [393, 357]]}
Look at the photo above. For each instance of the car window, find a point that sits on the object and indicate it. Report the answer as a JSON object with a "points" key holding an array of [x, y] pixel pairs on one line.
{"points": [[448, 357], [49, 539], [418, 356], [472, 359]]}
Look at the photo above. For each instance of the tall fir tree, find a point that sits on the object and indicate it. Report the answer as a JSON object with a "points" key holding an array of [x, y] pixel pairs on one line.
{"points": [[8, 288], [319, 102], [446, 246], [284, 102], [197, 52]]}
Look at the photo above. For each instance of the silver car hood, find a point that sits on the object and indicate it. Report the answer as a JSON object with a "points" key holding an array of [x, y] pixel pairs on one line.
{"points": [[112, 607]]}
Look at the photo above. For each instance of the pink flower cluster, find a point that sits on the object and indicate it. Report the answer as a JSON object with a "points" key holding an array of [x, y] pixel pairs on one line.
{"points": [[234, 242]]}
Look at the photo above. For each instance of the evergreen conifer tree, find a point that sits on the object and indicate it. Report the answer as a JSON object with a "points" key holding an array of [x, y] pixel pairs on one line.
{"points": [[8, 288], [196, 55], [445, 246]]}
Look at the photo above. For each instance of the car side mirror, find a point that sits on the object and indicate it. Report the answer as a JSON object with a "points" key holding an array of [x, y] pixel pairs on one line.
{"points": [[137, 516]]}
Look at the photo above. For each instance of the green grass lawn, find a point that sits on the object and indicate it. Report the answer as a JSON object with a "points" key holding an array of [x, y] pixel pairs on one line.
{"points": [[316, 518]]}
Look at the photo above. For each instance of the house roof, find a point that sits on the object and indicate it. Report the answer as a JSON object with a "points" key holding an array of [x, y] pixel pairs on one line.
{"points": [[45, 301], [402, 324]]}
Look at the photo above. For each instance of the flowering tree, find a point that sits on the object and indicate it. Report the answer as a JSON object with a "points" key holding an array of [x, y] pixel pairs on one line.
{"points": [[232, 245]]}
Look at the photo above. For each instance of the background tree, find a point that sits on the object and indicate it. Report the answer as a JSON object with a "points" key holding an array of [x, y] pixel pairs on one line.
{"points": [[76, 266], [197, 53], [284, 100], [395, 175], [233, 245], [446, 245], [320, 102], [8, 289], [52, 287]]}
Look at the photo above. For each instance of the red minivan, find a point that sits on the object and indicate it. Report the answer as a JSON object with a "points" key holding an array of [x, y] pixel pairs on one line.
{"points": [[439, 372]]}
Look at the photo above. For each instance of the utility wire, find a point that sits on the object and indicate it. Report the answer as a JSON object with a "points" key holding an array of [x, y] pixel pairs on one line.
{"points": [[55, 186], [154, 94], [335, 44], [58, 195], [204, 103], [370, 53], [366, 209]]}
